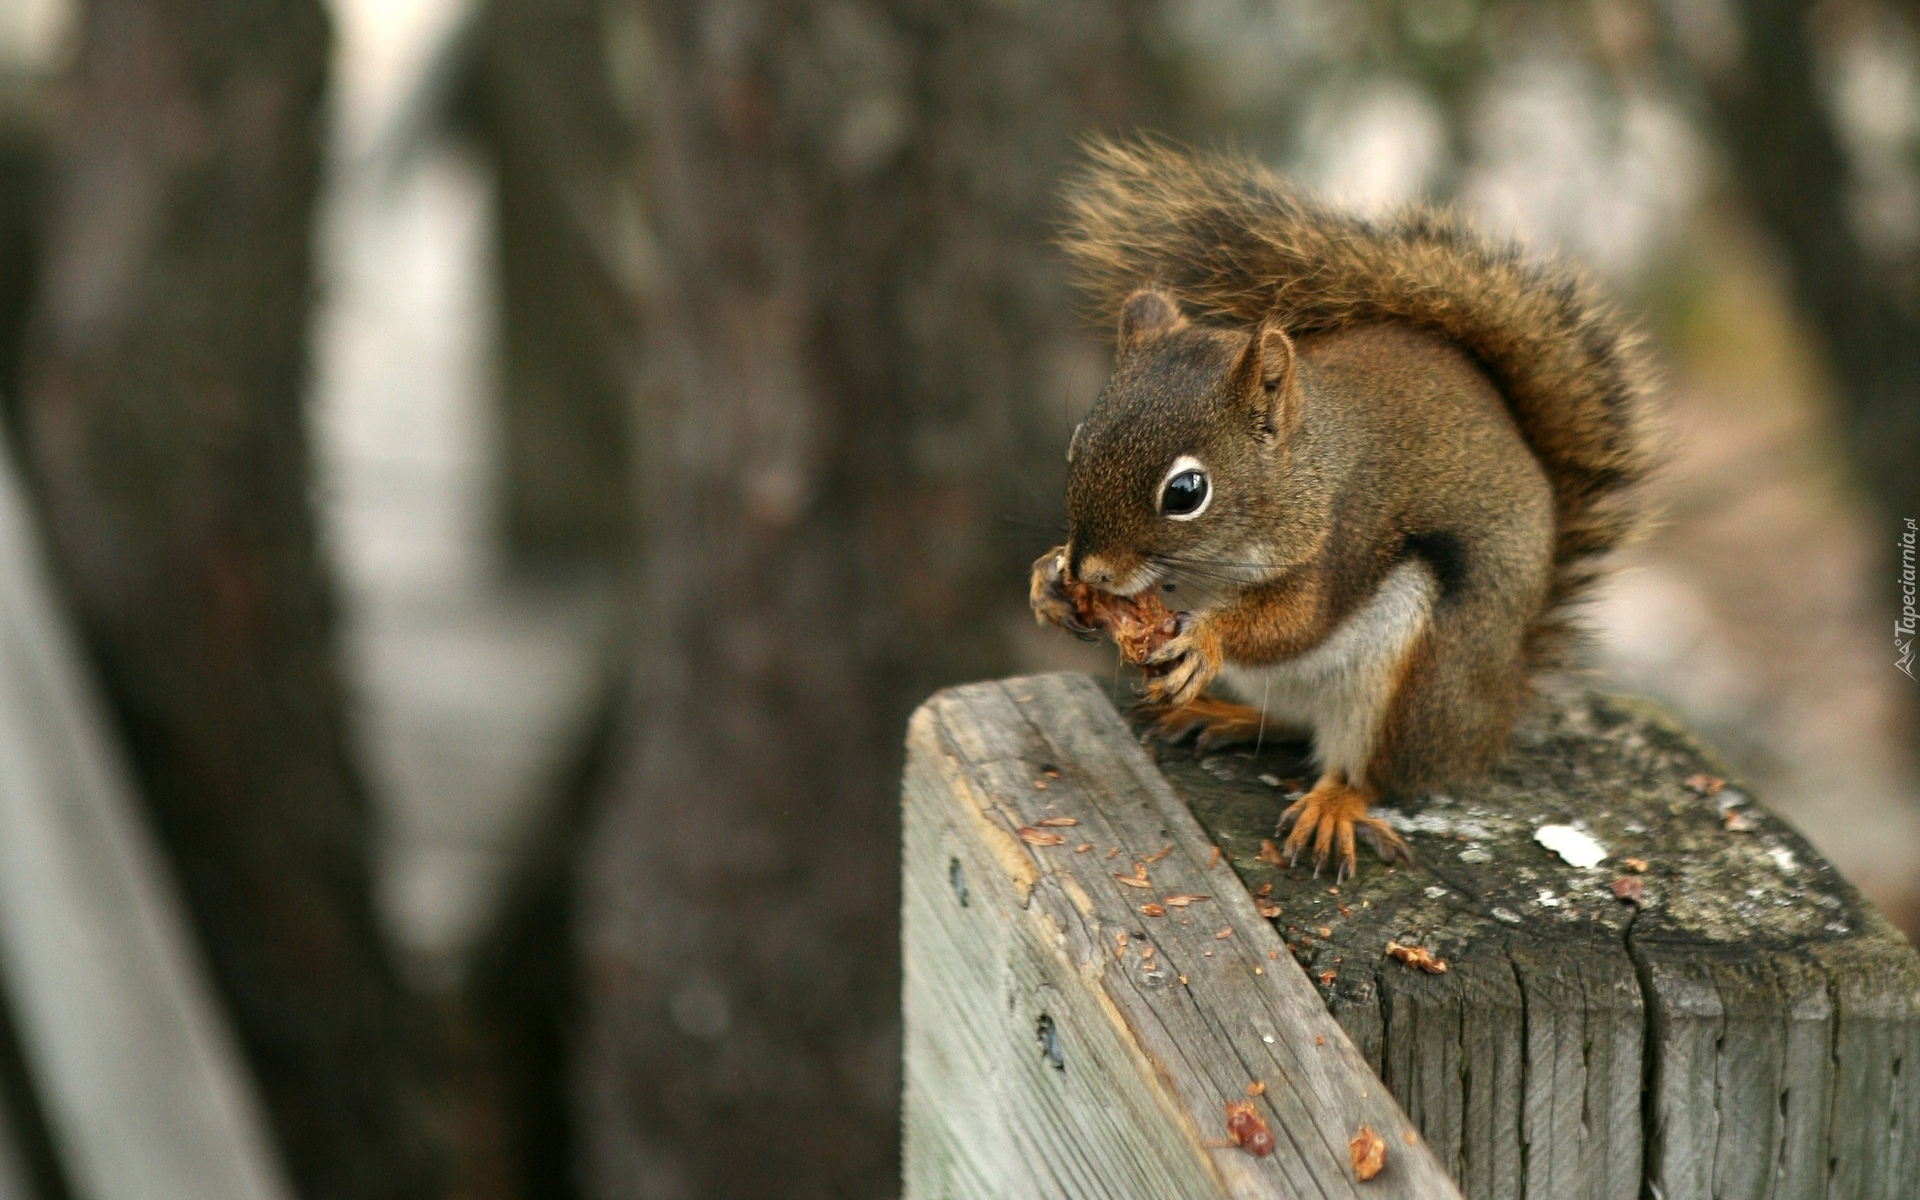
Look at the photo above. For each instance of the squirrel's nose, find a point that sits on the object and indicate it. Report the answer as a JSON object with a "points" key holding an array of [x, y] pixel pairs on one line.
{"points": [[1094, 570]]}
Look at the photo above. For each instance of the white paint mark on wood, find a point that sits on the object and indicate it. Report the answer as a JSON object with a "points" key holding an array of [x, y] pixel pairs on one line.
{"points": [[1576, 846]]}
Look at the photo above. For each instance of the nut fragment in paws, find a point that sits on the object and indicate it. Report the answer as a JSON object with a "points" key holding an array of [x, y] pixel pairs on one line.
{"points": [[1139, 624]]}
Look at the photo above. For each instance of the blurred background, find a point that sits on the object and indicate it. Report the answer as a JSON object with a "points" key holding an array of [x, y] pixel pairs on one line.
{"points": [[515, 464]]}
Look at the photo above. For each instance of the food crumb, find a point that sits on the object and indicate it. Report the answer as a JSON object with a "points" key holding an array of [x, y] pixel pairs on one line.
{"points": [[1417, 956], [1247, 1129], [1040, 837], [1213, 857], [1256, 1088], [1705, 784], [1161, 853], [1113, 852], [1637, 865], [1325, 932], [1226, 932], [1058, 822], [1153, 910], [1630, 889], [1368, 1150], [1270, 853], [1319, 1040], [1083, 847], [1184, 899]]}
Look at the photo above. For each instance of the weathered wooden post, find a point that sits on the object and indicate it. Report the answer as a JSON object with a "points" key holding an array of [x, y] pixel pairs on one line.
{"points": [[1651, 986], [136, 1069]]}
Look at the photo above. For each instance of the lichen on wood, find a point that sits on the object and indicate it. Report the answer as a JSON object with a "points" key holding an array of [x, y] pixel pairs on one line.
{"points": [[1755, 977]]}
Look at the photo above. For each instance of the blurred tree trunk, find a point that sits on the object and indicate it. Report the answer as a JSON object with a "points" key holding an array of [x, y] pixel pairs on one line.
{"points": [[540, 98], [860, 354], [23, 167], [1787, 154], [163, 413]]}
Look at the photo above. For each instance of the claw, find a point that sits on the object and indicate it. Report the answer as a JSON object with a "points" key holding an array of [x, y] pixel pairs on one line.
{"points": [[1047, 596], [1085, 633], [1329, 816]]}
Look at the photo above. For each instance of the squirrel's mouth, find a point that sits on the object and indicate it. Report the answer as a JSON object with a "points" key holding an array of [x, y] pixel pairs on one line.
{"points": [[1101, 576], [1097, 571]]}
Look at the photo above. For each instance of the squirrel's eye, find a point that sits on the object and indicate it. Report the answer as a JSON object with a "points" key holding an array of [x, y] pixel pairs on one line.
{"points": [[1185, 494]]}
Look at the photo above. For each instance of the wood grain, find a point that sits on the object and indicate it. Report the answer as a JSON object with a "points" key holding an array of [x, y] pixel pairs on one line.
{"points": [[1048, 1051]]}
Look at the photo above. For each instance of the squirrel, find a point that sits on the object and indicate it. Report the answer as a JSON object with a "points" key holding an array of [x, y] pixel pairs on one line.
{"points": [[1370, 465]]}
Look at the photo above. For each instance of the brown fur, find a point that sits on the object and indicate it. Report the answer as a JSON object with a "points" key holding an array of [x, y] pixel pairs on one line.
{"points": [[1229, 243]]}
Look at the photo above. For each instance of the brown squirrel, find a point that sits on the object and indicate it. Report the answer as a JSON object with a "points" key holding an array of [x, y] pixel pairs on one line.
{"points": [[1369, 464]]}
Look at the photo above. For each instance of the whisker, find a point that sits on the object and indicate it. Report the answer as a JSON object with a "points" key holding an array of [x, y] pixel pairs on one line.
{"points": [[1212, 562], [1260, 734]]}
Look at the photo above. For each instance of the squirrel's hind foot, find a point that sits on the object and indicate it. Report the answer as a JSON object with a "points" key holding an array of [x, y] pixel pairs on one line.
{"points": [[1333, 812], [1219, 723]]}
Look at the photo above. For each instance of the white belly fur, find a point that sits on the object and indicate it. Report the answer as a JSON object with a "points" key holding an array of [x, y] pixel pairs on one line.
{"points": [[1340, 688]]}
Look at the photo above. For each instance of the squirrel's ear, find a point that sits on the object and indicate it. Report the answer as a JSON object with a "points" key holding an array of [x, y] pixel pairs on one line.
{"points": [[1147, 314], [1264, 377]]}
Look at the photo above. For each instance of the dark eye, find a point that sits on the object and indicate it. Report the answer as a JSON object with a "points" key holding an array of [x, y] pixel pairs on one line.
{"points": [[1185, 494]]}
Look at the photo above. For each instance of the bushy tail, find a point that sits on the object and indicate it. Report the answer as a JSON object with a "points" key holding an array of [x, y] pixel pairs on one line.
{"points": [[1232, 243]]}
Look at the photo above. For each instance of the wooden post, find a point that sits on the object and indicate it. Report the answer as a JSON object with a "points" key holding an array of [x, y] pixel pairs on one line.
{"points": [[1749, 1028], [1062, 1042]]}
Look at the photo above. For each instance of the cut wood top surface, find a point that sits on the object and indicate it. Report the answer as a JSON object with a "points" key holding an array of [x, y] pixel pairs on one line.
{"points": [[1740, 1031], [1721, 872]]}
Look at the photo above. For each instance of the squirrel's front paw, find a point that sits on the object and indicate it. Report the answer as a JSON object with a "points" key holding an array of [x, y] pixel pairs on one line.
{"points": [[1048, 596], [1181, 669]]}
